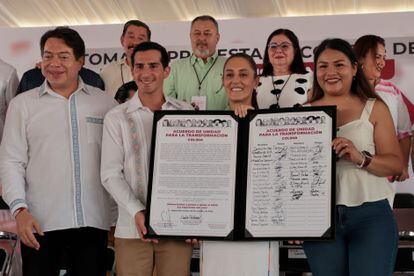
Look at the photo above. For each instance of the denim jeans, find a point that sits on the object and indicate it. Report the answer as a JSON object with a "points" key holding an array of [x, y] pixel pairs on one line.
{"points": [[366, 243]]}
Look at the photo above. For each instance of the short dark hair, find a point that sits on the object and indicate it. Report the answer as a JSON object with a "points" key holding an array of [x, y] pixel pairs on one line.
{"points": [[123, 92], [360, 85], [137, 23], [205, 18], [149, 45], [365, 44], [297, 65], [69, 36]]}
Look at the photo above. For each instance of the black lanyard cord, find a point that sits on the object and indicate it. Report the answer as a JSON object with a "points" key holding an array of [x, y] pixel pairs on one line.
{"points": [[279, 92], [208, 71], [122, 75]]}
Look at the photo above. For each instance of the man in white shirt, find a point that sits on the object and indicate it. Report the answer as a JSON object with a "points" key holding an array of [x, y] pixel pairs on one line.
{"points": [[50, 161], [117, 73], [124, 169], [8, 87]]}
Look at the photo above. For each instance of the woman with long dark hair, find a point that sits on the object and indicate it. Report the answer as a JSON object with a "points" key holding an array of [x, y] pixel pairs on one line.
{"points": [[367, 150]]}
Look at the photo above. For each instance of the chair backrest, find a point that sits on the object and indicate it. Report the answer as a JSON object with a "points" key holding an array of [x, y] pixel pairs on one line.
{"points": [[404, 218], [403, 200], [3, 258]]}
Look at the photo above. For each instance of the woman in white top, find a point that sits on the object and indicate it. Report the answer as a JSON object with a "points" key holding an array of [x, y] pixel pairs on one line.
{"points": [[368, 151], [284, 81], [224, 258], [370, 51]]}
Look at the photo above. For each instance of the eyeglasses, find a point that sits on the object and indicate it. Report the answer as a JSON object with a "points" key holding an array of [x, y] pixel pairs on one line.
{"points": [[283, 46]]}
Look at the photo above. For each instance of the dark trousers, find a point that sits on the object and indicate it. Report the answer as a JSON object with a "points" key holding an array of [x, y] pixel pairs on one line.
{"points": [[84, 251], [366, 243]]}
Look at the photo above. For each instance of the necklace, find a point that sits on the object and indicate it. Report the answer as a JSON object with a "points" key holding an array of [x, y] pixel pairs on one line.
{"points": [[276, 91]]}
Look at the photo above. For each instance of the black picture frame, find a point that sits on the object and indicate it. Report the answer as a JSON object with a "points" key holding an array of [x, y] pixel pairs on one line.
{"points": [[240, 232]]}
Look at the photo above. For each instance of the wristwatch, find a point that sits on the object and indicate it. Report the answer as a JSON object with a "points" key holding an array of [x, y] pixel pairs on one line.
{"points": [[367, 158]]}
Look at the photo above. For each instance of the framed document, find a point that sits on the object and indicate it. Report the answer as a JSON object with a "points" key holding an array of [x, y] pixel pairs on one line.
{"points": [[268, 176]]}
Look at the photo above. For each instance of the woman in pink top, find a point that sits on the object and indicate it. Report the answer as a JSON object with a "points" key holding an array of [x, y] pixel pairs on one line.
{"points": [[370, 52]]}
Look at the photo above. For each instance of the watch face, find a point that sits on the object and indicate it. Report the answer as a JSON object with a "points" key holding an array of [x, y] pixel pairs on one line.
{"points": [[367, 153]]}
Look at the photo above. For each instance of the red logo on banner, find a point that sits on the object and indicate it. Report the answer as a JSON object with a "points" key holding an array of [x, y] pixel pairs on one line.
{"points": [[20, 47], [389, 70]]}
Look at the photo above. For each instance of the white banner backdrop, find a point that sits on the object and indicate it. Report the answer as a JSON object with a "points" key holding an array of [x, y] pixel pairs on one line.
{"points": [[20, 46]]}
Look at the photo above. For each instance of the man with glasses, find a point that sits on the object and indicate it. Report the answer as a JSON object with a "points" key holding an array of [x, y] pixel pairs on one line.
{"points": [[50, 160], [197, 79]]}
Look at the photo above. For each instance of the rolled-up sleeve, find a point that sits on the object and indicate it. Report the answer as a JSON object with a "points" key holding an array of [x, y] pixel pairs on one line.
{"points": [[112, 167], [14, 156]]}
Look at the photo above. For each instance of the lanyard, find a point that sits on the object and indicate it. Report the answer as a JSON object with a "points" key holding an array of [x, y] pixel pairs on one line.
{"points": [[122, 75], [208, 71], [277, 92]]}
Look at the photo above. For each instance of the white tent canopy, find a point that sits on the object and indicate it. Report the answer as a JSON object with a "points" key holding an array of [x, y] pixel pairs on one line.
{"points": [[31, 13]]}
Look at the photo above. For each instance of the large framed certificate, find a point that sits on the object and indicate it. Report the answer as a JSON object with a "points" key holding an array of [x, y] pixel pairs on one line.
{"points": [[268, 176]]}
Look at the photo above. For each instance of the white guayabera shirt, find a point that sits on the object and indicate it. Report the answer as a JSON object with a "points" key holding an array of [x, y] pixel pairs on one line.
{"points": [[50, 157], [126, 146]]}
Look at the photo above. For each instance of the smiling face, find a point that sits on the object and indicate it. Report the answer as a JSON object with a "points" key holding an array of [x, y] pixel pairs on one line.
{"points": [[239, 81], [334, 72], [60, 67], [148, 72], [374, 63], [204, 38], [281, 53], [133, 36]]}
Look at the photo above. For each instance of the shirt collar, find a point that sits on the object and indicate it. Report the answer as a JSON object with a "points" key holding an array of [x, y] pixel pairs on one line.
{"points": [[172, 101], [135, 103], [45, 88], [195, 59], [123, 61]]}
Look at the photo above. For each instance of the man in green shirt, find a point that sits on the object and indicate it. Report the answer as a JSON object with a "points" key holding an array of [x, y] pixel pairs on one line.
{"points": [[197, 79]]}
